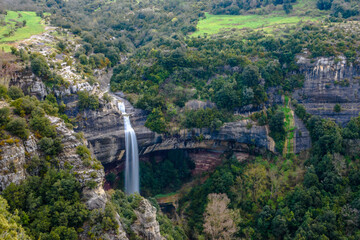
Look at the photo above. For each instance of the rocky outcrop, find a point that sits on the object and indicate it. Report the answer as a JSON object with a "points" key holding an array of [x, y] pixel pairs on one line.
{"points": [[104, 129], [28, 82], [16, 154], [197, 104], [12, 162], [68, 158], [146, 225], [238, 136], [302, 140], [329, 81]]}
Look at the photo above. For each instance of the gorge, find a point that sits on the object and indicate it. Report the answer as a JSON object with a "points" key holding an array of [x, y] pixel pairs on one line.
{"points": [[179, 119]]}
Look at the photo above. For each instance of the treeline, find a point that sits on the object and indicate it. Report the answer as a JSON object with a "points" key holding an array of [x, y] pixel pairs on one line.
{"points": [[340, 8], [337, 8], [237, 7]]}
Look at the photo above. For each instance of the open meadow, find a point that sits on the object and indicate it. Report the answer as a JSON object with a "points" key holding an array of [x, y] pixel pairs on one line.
{"points": [[213, 24], [33, 25]]}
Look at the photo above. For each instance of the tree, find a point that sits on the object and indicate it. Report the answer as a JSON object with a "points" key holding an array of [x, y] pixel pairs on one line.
{"points": [[156, 121], [323, 4], [42, 125], [218, 218], [226, 97], [83, 59], [337, 108], [300, 111], [18, 127], [40, 67], [9, 227], [87, 101], [15, 92], [3, 92], [250, 76], [4, 115], [50, 146], [277, 123]]}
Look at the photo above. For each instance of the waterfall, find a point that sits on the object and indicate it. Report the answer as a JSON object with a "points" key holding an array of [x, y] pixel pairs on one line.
{"points": [[132, 155]]}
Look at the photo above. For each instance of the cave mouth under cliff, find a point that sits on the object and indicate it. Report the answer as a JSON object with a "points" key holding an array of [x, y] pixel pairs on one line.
{"points": [[166, 171]]}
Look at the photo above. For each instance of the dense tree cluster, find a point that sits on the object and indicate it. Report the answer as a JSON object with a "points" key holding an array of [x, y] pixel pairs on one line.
{"points": [[49, 206], [242, 6]]}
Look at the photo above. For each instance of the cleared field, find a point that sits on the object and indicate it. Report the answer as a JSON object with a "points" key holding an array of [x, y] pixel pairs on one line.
{"points": [[33, 26], [213, 24]]}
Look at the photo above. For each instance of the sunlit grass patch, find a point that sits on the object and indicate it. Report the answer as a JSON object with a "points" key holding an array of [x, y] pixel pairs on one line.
{"points": [[33, 26], [213, 24]]}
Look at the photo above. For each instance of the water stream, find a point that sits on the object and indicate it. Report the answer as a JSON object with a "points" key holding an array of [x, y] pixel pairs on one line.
{"points": [[132, 155]]}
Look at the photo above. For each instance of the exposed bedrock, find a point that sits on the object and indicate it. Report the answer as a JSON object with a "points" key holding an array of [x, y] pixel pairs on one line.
{"points": [[329, 81], [104, 130]]}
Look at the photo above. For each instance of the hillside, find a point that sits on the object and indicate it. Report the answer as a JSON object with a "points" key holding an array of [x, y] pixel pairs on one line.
{"points": [[240, 119]]}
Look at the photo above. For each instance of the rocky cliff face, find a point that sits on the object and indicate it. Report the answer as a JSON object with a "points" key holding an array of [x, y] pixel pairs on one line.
{"points": [[27, 81], [94, 198], [146, 226], [16, 155], [238, 136], [13, 157], [104, 129], [329, 81]]}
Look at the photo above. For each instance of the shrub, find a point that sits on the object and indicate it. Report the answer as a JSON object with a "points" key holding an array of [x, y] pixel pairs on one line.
{"points": [[87, 101], [4, 116], [91, 184], [40, 67], [25, 105], [337, 108], [83, 152], [3, 92], [15, 92], [18, 127], [111, 178], [50, 146], [156, 121], [42, 125]]}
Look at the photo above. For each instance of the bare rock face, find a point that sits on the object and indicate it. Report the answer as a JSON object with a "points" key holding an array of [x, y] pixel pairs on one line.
{"points": [[94, 198], [146, 225], [29, 83], [104, 130], [302, 136], [12, 161], [330, 81], [238, 136], [197, 104]]}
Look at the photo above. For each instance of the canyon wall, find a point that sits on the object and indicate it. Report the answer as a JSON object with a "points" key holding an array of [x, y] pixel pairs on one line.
{"points": [[329, 81]]}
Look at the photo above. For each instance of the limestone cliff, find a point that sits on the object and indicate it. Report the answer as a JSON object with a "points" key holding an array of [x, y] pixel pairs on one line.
{"points": [[104, 129], [146, 226], [16, 155], [329, 81]]}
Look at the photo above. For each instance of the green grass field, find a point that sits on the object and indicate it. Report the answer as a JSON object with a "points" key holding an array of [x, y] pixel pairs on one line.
{"points": [[33, 26], [213, 24]]}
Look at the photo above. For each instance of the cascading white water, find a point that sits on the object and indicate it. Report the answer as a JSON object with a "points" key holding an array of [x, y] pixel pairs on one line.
{"points": [[132, 155]]}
